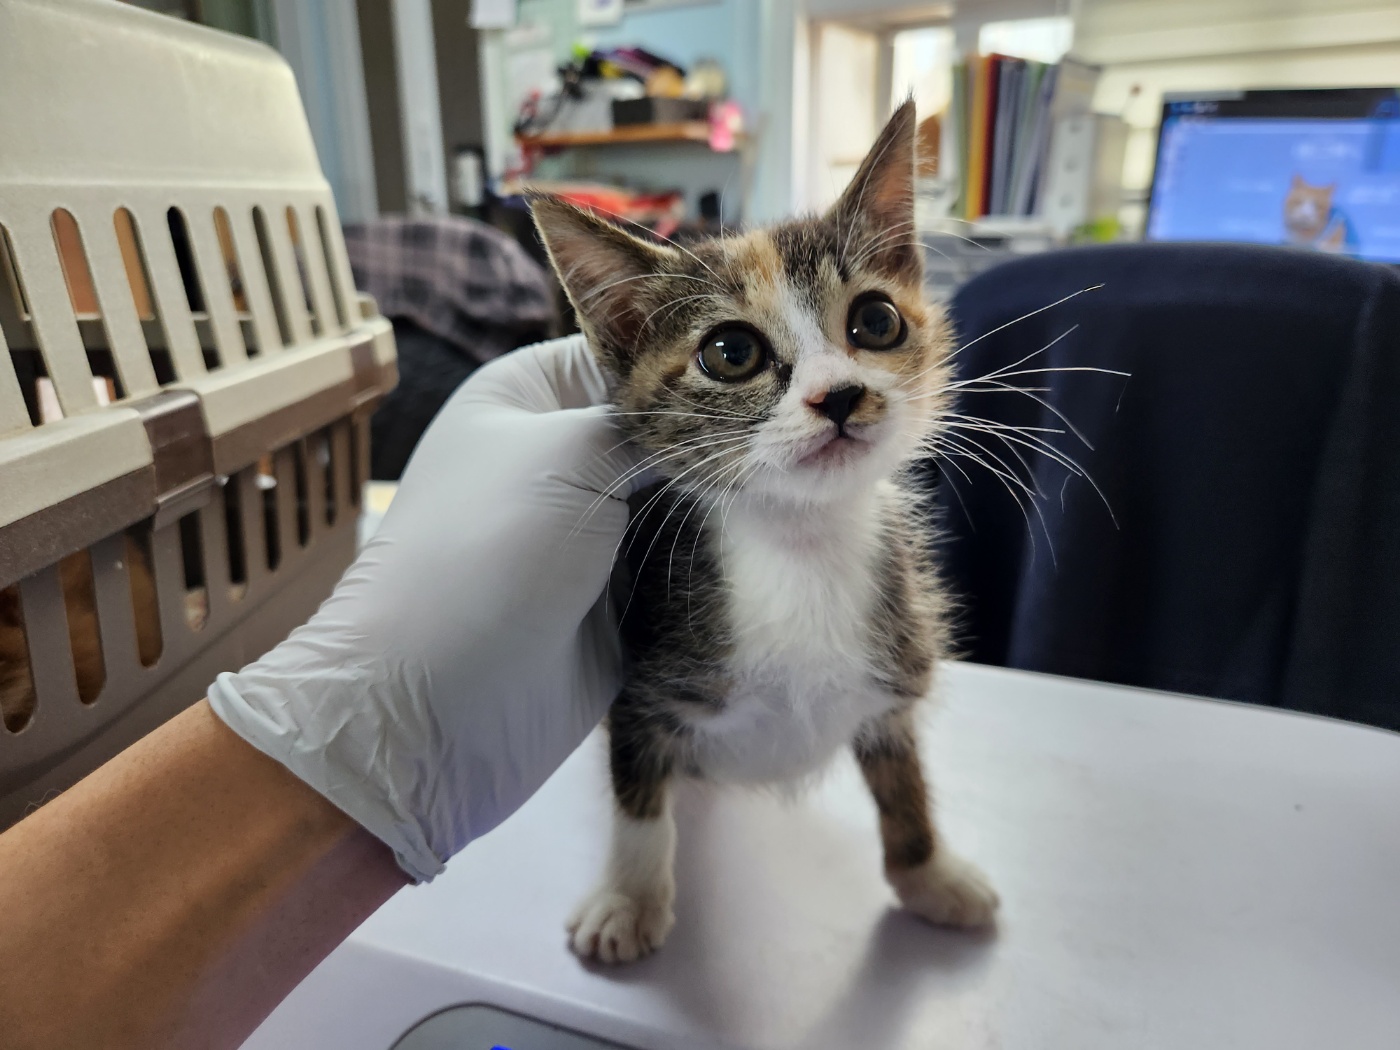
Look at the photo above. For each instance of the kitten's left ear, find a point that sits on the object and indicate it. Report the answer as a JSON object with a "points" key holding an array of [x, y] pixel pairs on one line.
{"points": [[878, 205]]}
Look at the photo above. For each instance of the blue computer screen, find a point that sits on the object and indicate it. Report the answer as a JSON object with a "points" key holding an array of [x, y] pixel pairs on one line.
{"points": [[1331, 184]]}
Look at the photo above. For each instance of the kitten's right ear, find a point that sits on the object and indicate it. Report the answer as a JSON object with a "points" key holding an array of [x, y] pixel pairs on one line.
{"points": [[605, 272]]}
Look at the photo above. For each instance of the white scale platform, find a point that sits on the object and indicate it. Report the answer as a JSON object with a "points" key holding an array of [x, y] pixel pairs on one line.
{"points": [[1175, 873]]}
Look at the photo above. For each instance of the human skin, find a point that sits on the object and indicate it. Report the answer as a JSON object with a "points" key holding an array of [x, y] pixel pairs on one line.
{"points": [[176, 895]]}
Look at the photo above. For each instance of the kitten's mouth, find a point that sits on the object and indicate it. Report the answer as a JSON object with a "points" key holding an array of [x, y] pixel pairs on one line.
{"points": [[834, 450]]}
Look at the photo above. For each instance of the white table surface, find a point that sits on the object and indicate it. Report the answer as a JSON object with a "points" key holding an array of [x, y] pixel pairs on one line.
{"points": [[1175, 873]]}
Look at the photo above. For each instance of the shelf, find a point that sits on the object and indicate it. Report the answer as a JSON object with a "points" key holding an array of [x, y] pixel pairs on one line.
{"points": [[689, 131]]}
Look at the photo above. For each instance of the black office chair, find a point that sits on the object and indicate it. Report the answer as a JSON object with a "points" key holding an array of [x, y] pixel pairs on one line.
{"points": [[1247, 543]]}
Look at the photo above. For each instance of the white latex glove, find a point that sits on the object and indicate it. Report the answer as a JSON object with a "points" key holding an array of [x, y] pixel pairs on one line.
{"points": [[467, 651]]}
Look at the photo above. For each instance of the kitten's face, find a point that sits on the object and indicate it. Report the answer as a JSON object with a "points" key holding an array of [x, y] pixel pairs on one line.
{"points": [[1307, 208], [799, 361]]}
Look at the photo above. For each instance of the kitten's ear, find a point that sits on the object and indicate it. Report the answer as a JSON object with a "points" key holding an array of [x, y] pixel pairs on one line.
{"points": [[878, 205], [604, 271]]}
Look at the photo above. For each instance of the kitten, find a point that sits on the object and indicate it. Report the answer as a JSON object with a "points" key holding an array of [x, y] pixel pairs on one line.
{"points": [[782, 607], [1310, 217]]}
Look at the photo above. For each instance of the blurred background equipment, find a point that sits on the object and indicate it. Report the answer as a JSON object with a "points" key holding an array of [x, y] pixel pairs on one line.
{"points": [[1336, 151]]}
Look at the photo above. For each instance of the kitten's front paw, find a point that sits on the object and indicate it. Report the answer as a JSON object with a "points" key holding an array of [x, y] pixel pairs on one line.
{"points": [[947, 891], [615, 927]]}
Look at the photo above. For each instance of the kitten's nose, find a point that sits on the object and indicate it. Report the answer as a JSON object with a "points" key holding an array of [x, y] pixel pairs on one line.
{"points": [[837, 405]]}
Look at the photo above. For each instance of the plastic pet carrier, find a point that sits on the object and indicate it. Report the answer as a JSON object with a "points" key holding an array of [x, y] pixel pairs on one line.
{"points": [[186, 372]]}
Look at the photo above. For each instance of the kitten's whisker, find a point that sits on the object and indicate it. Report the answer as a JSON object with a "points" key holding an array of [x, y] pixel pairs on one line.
{"points": [[674, 482], [634, 526], [1030, 472], [1027, 439], [741, 470], [872, 243], [991, 375], [1032, 486], [1017, 320], [958, 236], [945, 391], [1034, 353], [956, 448], [709, 482], [677, 247], [724, 438], [696, 404], [722, 191], [949, 461], [1052, 368], [1053, 410], [1038, 444], [1030, 497], [933, 449], [661, 528], [641, 277], [674, 305], [673, 412], [670, 452], [928, 247], [712, 480], [875, 241], [1048, 450]]}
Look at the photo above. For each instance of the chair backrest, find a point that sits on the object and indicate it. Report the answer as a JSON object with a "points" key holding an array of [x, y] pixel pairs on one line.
{"points": [[185, 373], [1240, 536]]}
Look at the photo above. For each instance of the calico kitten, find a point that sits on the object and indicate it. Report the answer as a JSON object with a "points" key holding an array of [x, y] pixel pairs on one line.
{"points": [[781, 606]]}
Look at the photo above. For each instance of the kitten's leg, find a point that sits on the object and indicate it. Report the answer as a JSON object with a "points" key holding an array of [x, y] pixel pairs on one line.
{"points": [[931, 880], [629, 914]]}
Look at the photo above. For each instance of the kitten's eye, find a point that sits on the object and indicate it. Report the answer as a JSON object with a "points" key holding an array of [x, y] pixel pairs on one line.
{"points": [[732, 355], [874, 323]]}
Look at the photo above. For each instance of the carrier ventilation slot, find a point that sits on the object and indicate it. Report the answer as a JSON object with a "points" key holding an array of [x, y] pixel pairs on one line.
{"points": [[194, 291], [332, 272], [145, 604], [16, 680], [84, 634], [138, 278], [18, 335], [269, 265], [303, 275], [223, 231]]}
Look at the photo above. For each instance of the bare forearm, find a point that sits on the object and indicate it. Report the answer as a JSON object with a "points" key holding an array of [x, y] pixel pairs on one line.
{"points": [[175, 896]]}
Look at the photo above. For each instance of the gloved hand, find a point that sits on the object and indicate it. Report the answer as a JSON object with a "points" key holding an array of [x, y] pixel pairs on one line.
{"points": [[467, 652]]}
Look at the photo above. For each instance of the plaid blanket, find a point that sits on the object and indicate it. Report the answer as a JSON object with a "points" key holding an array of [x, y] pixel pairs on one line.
{"points": [[465, 282]]}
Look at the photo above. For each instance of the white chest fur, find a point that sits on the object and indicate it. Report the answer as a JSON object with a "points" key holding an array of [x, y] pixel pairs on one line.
{"points": [[800, 589]]}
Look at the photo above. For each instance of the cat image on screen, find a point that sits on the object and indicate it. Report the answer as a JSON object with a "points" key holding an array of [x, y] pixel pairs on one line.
{"points": [[1310, 218], [782, 605]]}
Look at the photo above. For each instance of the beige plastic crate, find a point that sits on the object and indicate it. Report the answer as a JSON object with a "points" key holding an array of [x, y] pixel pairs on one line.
{"points": [[186, 372]]}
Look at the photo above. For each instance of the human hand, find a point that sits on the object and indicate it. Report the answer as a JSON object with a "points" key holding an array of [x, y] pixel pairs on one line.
{"points": [[467, 651]]}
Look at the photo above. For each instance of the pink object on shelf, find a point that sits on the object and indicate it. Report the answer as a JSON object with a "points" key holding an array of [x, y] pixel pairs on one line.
{"points": [[726, 124]]}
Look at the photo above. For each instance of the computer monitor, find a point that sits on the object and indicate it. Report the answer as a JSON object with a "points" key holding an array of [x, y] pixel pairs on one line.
{"points": [[1313, 168]]}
